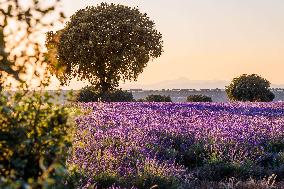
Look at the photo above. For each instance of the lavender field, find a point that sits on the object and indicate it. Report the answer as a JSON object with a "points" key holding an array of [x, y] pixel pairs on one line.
{"points": [[178, 145]]}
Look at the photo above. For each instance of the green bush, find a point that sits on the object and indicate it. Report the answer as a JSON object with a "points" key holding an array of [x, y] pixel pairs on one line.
{"points": [[35, 134], [91, 94], [118, 96], [198, 98], [158, 98], [87, 94], [34, 141], [250, 88]]}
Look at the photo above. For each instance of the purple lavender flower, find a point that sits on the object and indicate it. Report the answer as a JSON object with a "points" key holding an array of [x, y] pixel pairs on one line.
{"points": [[129, 140]]}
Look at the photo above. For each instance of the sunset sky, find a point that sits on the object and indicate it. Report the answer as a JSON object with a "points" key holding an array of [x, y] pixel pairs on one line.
{"points": [[210, 39]]}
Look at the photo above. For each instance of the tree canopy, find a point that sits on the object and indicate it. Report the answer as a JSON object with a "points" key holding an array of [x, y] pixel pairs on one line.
{"points": [[252, 88], [104, 44]]}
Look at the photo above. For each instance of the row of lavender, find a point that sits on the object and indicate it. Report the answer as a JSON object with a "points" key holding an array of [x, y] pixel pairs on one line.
{"points": [[141, 144]]}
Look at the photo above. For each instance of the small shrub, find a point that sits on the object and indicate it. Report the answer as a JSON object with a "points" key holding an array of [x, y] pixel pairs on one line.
{"points": [[119, 96], [199, 98], [91, 94], [158, 98], [34, 141], [87, 94]]}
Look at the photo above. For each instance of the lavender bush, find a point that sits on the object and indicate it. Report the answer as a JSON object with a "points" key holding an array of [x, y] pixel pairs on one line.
{"points": [[170, 145]]}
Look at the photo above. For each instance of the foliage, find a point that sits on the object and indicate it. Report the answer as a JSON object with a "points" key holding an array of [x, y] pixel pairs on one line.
{"points": [[118, 95], [34, 141], [250, 88], [157, 98], [91, 94], [87, 94], [199, 98], [104, 45], [21, 26], [35, 133]]}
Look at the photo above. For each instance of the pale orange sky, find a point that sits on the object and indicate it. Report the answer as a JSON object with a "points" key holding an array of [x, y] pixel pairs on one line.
{"points": [[210, 40]]}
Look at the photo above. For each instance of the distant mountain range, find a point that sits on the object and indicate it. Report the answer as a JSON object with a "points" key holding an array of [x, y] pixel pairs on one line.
{"points": [[184, 83]]}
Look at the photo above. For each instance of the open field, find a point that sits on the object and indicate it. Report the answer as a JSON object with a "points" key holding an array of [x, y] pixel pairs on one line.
{"points": [[178, 145]]}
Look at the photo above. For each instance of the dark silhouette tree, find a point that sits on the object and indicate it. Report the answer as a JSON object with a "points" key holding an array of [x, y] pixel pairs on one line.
{"points": [[250, 88], [198, 98], [91, 94], [158, 98], [104, 45]]}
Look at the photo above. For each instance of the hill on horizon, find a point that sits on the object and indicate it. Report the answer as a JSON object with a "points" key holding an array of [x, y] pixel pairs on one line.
{"points": [[184, 83]]}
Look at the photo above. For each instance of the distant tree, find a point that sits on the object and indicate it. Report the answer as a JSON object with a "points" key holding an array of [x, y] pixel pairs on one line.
{"points": [[104, 45], [158, 98], [199, 98], [250, 88]]}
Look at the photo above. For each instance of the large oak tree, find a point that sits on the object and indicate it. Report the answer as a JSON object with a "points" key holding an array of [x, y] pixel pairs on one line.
{"points": [[104, 45]]}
